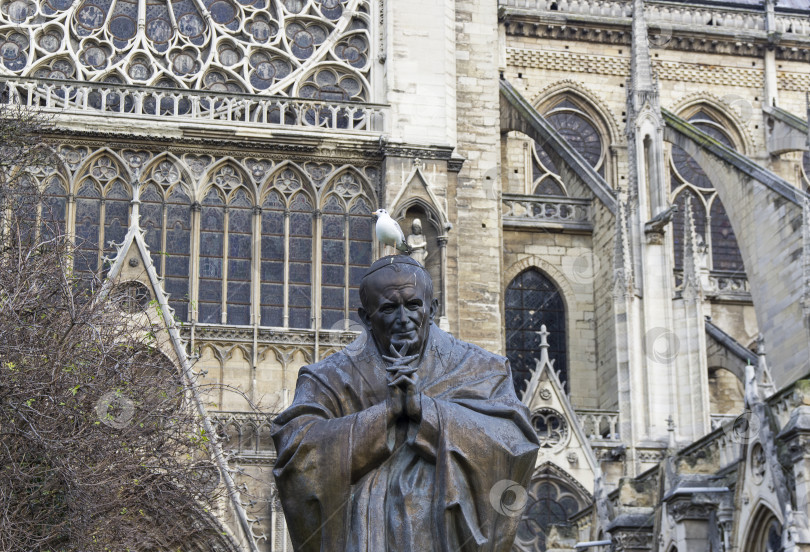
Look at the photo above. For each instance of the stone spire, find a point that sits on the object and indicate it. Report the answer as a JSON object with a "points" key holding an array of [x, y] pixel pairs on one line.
{"points": [[641, 74], [691, 276]]}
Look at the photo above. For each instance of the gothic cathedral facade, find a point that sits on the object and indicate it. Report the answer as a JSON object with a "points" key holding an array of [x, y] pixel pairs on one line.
{"points": [[611, 193]]}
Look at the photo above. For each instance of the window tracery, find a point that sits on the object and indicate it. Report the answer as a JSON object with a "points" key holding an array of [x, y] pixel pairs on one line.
{"points": [[224, 256], [713, 226], [255, 46], [582, 132], [551, 501], [532, 300]]}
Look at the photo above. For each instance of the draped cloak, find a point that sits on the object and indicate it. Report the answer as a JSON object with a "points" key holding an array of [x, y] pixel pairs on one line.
{"points": [[349, 483]]}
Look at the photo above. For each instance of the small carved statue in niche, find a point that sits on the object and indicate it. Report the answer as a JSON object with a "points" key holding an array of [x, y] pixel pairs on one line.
{"points": [[418, 242]]}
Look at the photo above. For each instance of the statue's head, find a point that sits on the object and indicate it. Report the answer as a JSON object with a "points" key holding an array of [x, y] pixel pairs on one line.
{"points": [[416, 226], [398, 305]]}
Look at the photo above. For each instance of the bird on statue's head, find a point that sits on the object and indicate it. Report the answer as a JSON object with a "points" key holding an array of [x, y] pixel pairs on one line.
{"points": [[389, 232]]}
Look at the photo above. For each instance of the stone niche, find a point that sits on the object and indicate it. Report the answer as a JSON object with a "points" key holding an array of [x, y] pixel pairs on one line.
{"points": [[435, 239]]}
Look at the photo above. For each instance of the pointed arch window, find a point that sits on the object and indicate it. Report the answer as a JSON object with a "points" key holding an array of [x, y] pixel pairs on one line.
{"points": [[806, 170], [333, 262], [360, 250], [300, 265], [533, 300], [715, 234], [102, 212], [54, 209], [212, 248], [240, 233], [580, 129], [550, 501], [88, 216], [271, 292], [765, 533]]}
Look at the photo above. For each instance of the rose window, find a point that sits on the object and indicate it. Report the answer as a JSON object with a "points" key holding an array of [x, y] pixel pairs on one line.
{"points": [[278, 47]]}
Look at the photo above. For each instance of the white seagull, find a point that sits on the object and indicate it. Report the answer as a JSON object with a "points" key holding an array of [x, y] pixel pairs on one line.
{"points": [[389, 232]]}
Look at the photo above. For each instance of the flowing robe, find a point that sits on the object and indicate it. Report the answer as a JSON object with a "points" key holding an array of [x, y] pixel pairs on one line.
{"points": [[351, 482]]}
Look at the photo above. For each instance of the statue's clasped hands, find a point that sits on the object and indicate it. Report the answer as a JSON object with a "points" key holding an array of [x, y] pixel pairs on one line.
{"points": [[403, 395]]}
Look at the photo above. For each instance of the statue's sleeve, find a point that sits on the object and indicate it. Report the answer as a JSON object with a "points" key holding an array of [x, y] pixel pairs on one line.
{"points": [[477, 435], [321, 451]]}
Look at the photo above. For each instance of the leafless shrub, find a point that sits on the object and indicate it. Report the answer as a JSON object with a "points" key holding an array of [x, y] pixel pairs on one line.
{"points": [[99, 449]]}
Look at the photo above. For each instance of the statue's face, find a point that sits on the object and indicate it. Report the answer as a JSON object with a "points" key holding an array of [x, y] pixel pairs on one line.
{"points": [[399, 309]]}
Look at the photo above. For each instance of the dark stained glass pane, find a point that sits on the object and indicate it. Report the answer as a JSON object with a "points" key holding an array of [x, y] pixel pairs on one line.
{"points": [[212, 231], [360, 248], [151, 210], [88, 215], [53, 210], [726, 254], [578, 131], [698, 215], [531, 301], [271, 305], [333, 264], [549, 186], [300, 265], [240, 239], [116, 216], [176, 255]]}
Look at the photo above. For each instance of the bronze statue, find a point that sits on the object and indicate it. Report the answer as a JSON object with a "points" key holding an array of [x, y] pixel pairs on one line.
{"points": [[398, 442]]}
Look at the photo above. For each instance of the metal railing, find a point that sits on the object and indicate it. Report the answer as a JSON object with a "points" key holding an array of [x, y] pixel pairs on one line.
{"points": [[191, 106]]}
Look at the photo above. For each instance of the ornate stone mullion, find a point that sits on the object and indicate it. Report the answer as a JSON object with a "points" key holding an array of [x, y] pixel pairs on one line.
{"points": [[286, 313], [102, 219], [194, 261], [346, 271], [225, 252], [255, 268]]}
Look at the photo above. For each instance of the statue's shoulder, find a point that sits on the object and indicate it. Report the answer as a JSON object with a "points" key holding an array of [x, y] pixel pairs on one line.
{"points": [[446, 342], [326, 368]]}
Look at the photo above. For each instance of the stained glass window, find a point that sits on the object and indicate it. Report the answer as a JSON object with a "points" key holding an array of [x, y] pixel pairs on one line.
{"points": [[54, 209], [549, 502], [579, 129], [240, 234], [88, 217], [116, 215], [306, 48], [177, 252], [272, 261], [533, 300], [212, 236], [698, 208], [300, 265], [151, 210], [288, 266], [726, 254], [688, 177], [360, 250], [333, 263]]}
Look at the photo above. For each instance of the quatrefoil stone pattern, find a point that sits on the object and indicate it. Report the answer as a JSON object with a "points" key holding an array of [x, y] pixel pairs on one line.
{"points": [[318, 49]]}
